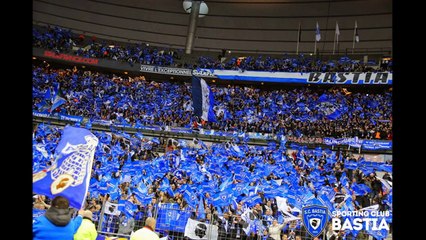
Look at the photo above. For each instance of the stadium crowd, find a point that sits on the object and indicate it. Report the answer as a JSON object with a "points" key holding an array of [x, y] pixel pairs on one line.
{"points": [[246, 191], [64, 41], [289, 64], [231, 185], [292, 111]]}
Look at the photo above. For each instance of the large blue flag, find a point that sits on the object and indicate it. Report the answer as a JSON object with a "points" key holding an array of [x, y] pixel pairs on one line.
{"points": [[70, 173], [202, 99]]}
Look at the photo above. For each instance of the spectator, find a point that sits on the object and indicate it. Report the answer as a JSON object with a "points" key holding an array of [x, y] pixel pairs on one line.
{"points": [[275, 230], [87, 229], [57, 222], [266, 235], [376, 185], [387, 176], [40, 202], [298, 112], [147, 232], [200, 166], [110, 223], [127, 223]]}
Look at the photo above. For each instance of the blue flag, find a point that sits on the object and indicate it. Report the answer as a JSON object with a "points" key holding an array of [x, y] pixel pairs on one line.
{"points": [[58, 99], [202, 99], [167, 215], [181, 220], [330, 109], [129, 209], [70, 173], [326, 202], [190, 198], [201, 210], [360, 189], [223, 198], [252, 200]]}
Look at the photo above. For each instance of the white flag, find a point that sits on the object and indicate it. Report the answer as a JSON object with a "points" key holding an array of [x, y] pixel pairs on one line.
{"points": [[282, 204], [200, 230], [40, 147], [337, 32], [387, 185], [288, 217], [356, 32], [112, 209], [202, 99], [248, 217], [370, 208], [317, 33]]}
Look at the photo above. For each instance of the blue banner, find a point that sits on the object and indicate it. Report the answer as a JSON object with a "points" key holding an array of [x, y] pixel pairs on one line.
{"points": [[351, 78], [102, 122], [39, 114], [69, 175], [347, 78], [353, 142], [65, 117], [376, 145]]}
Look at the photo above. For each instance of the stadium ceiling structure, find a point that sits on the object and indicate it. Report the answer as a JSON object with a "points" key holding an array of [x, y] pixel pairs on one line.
{"points": [[247, 26]]}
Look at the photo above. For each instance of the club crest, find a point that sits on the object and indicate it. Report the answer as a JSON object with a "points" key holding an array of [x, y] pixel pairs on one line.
{"points": [[315, 219]]}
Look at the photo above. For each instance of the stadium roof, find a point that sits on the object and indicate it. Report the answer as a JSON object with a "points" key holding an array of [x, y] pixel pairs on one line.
{"points": [[268, 26]]}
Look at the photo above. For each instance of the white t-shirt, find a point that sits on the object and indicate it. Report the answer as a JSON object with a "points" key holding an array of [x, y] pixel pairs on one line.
{"points": [[144, 234]]}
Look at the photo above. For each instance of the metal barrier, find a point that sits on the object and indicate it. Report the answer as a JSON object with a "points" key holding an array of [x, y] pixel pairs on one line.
{"points": [[178, 223]]}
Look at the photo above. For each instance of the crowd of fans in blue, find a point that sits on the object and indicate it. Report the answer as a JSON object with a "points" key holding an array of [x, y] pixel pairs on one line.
{"points": [[218, 183], [64, 41], [133, 102], [214, 183]]}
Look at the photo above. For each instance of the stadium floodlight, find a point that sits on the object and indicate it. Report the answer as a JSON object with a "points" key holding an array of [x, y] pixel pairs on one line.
{"points": [[204, 10]]}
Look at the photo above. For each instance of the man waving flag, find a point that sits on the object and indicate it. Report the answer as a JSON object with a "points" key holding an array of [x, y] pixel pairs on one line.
{"points": [[203, 100]]}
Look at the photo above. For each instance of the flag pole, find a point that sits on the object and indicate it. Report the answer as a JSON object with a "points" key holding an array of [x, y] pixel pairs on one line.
{"points": [[353, 42], [297, 48], [101, 217], [315, 47], [298, 40], [334, 43]]}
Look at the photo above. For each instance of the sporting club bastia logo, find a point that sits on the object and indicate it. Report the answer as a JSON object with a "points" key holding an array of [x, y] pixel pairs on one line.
{"points": [[315, 219]]}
